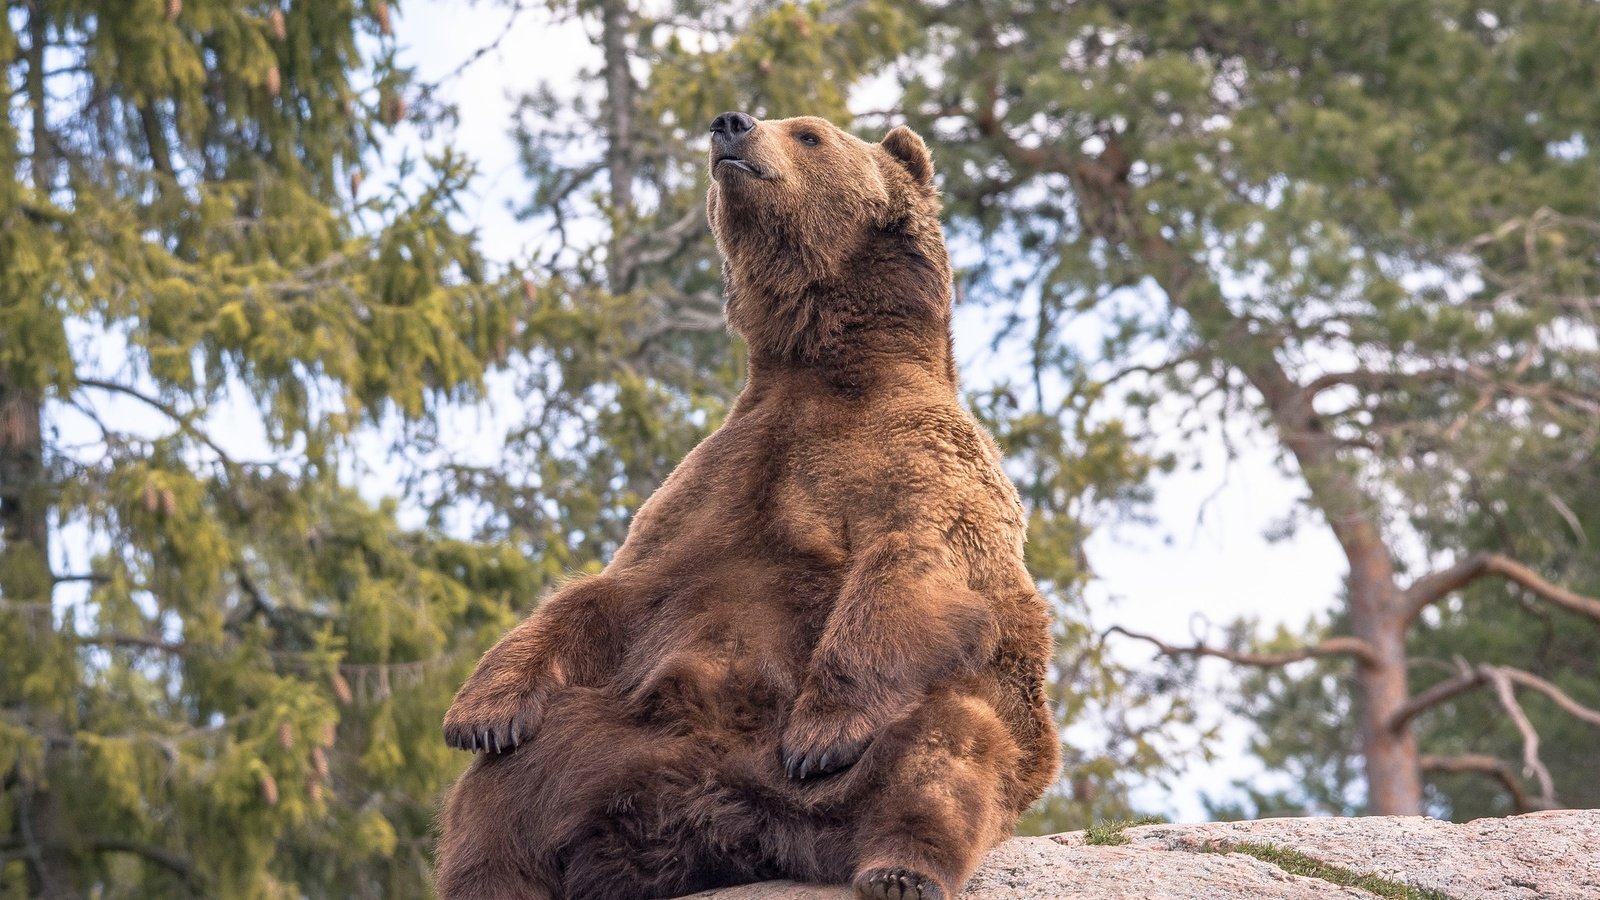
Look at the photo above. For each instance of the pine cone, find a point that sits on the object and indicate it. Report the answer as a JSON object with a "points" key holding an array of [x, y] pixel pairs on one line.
{"points": [[285, 736], [341, 690], [280, 29], [394, 109], [269, 790], [274, 81], [174, 7], [380, 12]]}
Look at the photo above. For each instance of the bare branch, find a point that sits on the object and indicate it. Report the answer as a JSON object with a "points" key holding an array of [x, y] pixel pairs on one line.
{"points": [[1471, 677], [1531, 764], [172, 862], [516, 12], [1486, 395], [1165, 367], [1334, 646], [661, 246], [181, 419], [1432, 588], [1428, 699], [1568, 705], [149, 642], [1484, 764], [1380, 381], [90, 577], [257, 599]]}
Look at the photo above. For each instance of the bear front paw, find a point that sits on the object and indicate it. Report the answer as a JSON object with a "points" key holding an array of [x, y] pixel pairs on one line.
{"points": [[814, 745], [486, 722]]}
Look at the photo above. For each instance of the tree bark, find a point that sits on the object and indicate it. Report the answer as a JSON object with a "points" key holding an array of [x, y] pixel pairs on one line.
{"points": [[614, 23], [24, 497], [24, 523]]}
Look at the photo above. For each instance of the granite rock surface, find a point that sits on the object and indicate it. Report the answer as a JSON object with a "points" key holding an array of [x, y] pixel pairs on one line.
{"points": [[1541, 856]]}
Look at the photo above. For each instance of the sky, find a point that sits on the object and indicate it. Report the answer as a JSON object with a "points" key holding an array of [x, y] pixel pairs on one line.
{"points": [[1204, 557]]}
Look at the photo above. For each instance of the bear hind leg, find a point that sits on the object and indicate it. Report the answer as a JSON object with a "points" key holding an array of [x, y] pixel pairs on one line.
{"points": [[940, 801]]}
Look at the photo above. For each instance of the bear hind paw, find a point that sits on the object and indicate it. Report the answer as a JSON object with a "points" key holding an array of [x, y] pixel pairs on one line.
{"points": [[896, 883]]}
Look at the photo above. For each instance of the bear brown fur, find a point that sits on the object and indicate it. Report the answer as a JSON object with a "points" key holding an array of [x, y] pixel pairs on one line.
{"points": [[818, 655]]}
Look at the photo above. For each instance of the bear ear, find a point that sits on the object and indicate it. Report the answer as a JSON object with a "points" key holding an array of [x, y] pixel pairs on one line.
{"points": [[907, 148]]}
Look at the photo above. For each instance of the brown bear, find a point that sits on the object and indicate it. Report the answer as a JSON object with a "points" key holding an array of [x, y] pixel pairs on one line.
{"points": [[818, 655]]}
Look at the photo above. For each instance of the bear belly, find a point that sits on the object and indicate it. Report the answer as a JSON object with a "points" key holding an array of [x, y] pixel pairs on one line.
{"points": [[725, 651]]}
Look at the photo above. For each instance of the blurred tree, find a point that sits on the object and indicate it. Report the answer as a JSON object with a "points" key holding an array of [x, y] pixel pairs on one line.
{"points": [[237, 693], [1541, 504], [1373, 233]]}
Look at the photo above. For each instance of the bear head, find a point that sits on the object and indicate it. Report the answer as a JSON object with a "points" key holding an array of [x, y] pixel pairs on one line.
{"points": [[832, 249]]}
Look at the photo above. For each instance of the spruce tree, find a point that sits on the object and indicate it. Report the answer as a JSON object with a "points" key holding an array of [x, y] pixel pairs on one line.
{"points": [[236, 692]]}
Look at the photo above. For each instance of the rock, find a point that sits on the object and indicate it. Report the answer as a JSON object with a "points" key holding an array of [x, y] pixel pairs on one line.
{"points": [[1539, 856], [1542, 856]]}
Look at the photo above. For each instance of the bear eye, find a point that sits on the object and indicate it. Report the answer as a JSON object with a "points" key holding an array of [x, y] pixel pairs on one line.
{"points": [[808, 138]]}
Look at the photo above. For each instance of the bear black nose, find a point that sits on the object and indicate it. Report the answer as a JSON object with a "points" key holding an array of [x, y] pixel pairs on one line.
{"points": [[730, 125]]}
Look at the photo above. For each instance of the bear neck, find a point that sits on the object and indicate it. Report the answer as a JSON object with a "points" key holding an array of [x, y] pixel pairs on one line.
{"points": [[875, 325], [858, 362]]}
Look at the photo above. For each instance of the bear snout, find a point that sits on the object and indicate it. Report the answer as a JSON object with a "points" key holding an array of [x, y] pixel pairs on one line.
{"points": [[731, 126], [729, 150]]}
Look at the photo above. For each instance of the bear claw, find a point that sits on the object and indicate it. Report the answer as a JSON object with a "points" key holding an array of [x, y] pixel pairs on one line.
{"points": [[801, 764], [896, 884], [482, 721], [502, 739]]}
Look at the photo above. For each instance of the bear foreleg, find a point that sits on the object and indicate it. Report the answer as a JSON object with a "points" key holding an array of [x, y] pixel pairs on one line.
{"points": [[904, 621], [569, 640]]}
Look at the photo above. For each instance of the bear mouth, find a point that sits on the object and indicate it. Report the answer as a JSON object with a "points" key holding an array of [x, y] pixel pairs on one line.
{"points": [[734, 162]]}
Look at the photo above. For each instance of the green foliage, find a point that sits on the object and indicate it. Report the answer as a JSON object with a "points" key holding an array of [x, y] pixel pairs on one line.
{"points": [[1302, 714], [1072, 470], [237, 694]]}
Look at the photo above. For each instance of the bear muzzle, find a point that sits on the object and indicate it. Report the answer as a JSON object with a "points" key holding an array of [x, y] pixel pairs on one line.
{"points": [[728, 143]]}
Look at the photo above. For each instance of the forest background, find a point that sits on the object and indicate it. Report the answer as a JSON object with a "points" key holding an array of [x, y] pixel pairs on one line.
{"points": [[333, 334]]}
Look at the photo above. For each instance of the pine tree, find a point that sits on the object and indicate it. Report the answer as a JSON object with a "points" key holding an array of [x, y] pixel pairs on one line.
{"points": [[236, 694], [1374, 233]]}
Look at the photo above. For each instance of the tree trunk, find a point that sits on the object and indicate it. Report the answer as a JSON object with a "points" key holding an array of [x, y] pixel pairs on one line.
{"points": [[1393, 764], [26, 582], [26, 585], [614, 24], [24, 525], [1376, 603]]}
